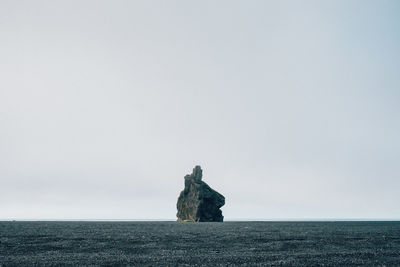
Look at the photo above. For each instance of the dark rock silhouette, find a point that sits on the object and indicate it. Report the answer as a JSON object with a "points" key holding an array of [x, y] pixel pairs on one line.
{"points": [[198, 202]]}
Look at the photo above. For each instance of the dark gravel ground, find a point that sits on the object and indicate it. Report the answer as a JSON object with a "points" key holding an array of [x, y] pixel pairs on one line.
{"points": [[199, 244]]}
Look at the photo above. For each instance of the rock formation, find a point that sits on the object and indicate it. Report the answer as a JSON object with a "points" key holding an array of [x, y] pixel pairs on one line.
{"points": [[198, 202]]}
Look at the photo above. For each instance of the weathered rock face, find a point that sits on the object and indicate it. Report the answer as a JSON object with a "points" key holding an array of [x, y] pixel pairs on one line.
{"points": [[198, 202]]}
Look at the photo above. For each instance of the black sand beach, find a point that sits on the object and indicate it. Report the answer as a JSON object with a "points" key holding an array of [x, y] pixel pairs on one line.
{"points": [[199, 244]]}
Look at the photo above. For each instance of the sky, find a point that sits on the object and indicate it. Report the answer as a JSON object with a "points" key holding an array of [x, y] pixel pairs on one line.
{"points": [[290, 107]]}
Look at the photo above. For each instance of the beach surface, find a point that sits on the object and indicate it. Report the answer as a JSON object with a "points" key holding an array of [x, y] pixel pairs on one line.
{"points": [[199, 244]]}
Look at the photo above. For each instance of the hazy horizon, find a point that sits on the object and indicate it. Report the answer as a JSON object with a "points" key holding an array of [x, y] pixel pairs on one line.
{"points": [[290, 107], [225, 220]]}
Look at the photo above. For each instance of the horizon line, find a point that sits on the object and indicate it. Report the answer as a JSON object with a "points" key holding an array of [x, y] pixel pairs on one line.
{"points": [[226, 220]]}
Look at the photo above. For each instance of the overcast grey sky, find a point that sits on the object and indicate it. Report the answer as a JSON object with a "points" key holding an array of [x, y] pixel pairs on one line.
{"points": [[291, 107]]}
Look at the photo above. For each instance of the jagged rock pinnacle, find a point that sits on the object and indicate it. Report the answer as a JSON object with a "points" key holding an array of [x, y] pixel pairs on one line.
{"points": [[198, 202]]}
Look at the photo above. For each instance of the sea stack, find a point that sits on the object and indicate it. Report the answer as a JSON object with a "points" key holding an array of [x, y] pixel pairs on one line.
{"points": [[198, 202]]}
